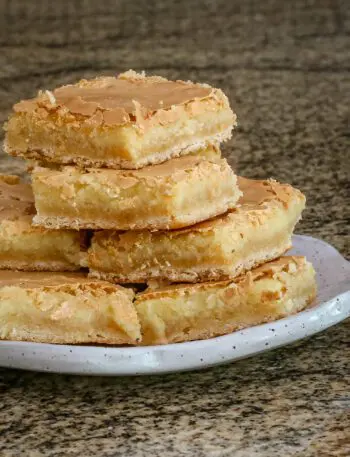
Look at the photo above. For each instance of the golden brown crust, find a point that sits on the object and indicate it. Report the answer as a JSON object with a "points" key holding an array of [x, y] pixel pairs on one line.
{"points": [[186, 312], [129, 98], [257, 192]]}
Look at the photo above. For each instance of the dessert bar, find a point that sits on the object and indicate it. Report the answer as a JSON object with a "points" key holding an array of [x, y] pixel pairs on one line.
{"points": [[128, 121], [186, 312], [177, 193], [258, 230]]}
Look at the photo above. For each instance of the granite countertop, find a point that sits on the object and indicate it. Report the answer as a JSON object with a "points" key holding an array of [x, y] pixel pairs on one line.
{"points": [[286, 70]]}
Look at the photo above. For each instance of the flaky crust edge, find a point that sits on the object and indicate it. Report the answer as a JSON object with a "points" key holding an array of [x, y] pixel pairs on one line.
{"points": [[164, 223], [193, 276], [118, 163]]}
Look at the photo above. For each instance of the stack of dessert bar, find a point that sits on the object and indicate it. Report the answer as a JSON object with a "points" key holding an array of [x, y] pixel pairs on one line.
{"points": [[130, 188]]}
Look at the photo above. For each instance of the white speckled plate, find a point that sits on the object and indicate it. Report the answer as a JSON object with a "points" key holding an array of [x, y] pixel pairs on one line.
{"points": [[332, 306]]}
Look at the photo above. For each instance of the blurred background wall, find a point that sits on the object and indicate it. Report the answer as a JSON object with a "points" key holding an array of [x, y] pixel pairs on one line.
{"points": [[284, 65]]}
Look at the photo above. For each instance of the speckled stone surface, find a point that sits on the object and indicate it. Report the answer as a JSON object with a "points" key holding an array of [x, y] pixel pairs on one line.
{"points": [[286, 69]]}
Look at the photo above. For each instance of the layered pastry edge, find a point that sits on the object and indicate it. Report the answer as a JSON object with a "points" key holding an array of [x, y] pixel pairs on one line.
{"points": [[177, 193], [93, 123]]}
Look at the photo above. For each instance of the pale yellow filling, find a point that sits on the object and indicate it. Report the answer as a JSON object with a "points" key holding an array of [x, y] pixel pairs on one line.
{"points": [[91, 199], [166, 202], [225, 247], [64, 316], [52, 138], [126, 253], [22, 246], [209, 311]]}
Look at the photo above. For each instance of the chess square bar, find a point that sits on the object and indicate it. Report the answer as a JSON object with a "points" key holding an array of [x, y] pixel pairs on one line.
{"points": [[128, 121], [65, 308], [177, 193], [188, 312], [24, 247], [258, 230]]}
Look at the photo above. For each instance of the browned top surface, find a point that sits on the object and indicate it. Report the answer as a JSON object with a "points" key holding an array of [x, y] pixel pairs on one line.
{"points": [[115, 99]]}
